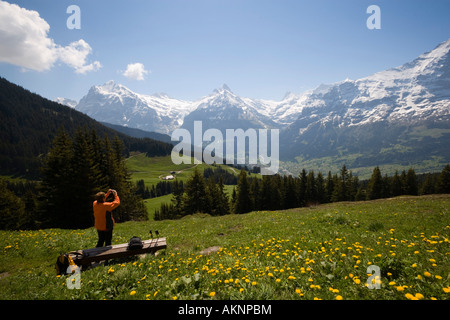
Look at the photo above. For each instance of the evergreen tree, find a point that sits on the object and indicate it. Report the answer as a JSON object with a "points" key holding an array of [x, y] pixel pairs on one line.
{"points": [[243, 202], [57, 180], [219, 199], [177, 198], [320, 186], [12, 209], [302, 189], [329, 187], [444, 180], [396, 185], [196, 198], [375, 186], [85, 183], [411, 183], [428, 186], [255, 191], [311, 188], [290, 194]]}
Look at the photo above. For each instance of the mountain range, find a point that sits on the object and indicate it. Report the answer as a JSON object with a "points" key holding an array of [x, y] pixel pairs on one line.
{"points": [[400, 115]]}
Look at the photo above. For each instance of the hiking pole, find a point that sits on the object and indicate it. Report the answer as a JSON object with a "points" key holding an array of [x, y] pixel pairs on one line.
{"points": [[151, 235], [157, 237]]}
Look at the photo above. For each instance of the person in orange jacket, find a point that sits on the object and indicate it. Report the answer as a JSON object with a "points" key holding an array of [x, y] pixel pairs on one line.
{"points": [[104, 220]]}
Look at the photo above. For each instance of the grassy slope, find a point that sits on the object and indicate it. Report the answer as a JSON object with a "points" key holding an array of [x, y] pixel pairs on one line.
{"points": [[320, 252]]}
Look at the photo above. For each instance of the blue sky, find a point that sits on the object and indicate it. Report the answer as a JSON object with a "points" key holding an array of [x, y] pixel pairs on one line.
{"points": [[259, 48]]}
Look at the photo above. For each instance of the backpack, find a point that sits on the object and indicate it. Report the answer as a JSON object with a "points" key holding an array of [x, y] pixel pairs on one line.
{"points": [[62, 263], [135, 243]]}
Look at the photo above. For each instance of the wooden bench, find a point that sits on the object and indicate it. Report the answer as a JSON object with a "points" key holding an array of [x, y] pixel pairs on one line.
{"points": [[85, 257]]}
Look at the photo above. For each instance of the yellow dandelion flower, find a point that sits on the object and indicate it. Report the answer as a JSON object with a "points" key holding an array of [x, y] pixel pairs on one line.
{"points": [[174, 298], [339, 297], [427, 274], [410, 296], [419, 296], [446, 290], [357, 281], [400, 288], [132, 293], [212, 294], [254, 283]]}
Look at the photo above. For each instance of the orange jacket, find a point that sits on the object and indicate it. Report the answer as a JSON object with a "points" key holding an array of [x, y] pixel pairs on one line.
{"points": [[104, 219]]}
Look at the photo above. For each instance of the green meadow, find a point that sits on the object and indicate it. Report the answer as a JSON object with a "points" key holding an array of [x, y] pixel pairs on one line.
{"points": [[320, 252]]}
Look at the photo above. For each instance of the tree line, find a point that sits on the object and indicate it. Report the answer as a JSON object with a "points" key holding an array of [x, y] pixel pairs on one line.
{"points": [[73, 171], [284, 192], [163, 188], [198, 195]]}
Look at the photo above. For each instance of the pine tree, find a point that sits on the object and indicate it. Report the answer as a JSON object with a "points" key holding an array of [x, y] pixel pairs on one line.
{"points": [[131, 206], [85, 183], [196, 198], [396, 185], [311, 188], [12, 209], [375, 186], [411, 183], [320, 186], [57, 180], [444, 180], [302, 189], [290, 194], [243, 202], [329, 187], [219, 199], [428, 186]]}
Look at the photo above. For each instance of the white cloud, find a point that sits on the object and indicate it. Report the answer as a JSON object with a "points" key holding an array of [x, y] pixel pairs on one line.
{"points": [[75, 55], [24, 42], [135, 71]]}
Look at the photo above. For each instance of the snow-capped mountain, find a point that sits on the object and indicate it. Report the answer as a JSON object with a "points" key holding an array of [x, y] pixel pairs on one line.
{"points": [[225, 110], [116, 104], [417, 90], [387, 106]]}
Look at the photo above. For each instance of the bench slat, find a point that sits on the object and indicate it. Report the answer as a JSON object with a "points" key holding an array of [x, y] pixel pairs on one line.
{"points": [[84, 257]]}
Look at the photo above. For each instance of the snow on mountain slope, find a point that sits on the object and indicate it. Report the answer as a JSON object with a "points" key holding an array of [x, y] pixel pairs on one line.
{"points": [[116, 104], [417, 90], [67, 102], [223, 109]]}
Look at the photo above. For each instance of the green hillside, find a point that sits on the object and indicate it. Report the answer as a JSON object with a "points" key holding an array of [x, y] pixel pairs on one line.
{"points": [[320, 252], [29, 123]]}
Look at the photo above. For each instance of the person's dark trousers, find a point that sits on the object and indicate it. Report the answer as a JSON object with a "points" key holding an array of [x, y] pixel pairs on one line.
{"points": [[104, 237]]}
